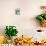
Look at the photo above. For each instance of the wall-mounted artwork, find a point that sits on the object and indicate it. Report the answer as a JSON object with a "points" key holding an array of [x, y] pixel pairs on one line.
{"points": [[17, 11]]}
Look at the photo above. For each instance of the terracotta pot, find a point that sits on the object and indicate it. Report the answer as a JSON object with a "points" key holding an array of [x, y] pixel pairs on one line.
{"points": [[43, 23]]}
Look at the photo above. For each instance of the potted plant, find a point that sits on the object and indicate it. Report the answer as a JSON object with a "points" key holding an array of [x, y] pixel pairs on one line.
{"points": [[10, 31], [42, 17]]}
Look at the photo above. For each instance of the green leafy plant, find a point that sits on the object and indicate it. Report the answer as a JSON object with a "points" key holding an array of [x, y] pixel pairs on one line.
{"points": [[41, 17], [11, 31]]}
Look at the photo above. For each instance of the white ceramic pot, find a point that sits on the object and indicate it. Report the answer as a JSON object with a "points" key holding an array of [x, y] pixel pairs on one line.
{"points": [[13, 38], [9, 41]]}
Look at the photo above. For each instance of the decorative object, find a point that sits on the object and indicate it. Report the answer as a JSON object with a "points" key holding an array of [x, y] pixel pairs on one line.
{"points": [[42, 17], [10, 31]]}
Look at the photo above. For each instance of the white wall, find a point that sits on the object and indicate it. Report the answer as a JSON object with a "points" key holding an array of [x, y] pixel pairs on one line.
{"points": [[26, 22]]}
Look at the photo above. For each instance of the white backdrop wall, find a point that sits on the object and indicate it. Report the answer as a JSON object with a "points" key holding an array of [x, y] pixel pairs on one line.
{"points": [[25, 22]]}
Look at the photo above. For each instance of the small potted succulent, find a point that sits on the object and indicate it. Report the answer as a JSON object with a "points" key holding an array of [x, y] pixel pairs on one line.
{"points": [[42, 17], [10, 31]]}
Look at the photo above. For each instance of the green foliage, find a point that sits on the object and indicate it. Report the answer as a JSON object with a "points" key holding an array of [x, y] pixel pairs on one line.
{"points": [[45, 16], [41, 17], [11, 31]]}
